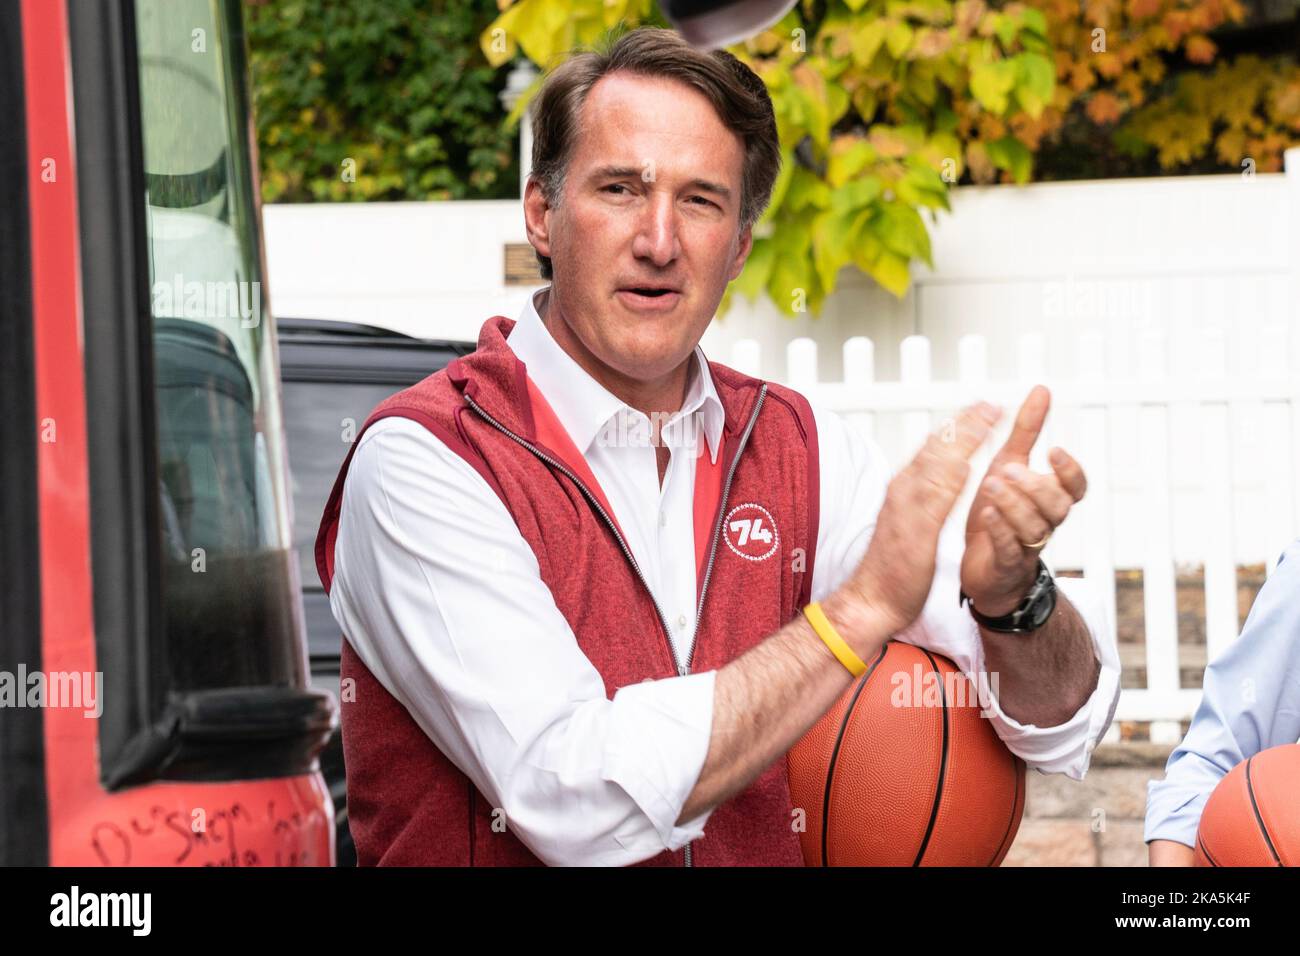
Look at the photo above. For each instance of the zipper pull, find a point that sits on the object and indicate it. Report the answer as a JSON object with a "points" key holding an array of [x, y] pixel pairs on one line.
{"points": [[681, 670]]}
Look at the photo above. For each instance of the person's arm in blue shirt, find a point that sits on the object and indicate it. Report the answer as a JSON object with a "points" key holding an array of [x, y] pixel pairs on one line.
{"points": [[1251, 702]]}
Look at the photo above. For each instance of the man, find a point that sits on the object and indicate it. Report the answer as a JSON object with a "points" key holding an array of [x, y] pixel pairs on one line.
{"points": [[570, 568], [1250, 702]]}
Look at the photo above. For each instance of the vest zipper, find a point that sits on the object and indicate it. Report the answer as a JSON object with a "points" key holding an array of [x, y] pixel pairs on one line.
{"points": [[722, 512], [594, 503], [713, 545], [682, 669]]}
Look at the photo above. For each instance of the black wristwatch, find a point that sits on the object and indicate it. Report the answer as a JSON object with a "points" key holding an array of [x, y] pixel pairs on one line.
{"points": [[1030, 614]]}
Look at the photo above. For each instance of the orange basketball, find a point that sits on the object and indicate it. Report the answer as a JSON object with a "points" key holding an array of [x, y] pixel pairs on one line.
{"points": [[1253, 816], [903, 771]]}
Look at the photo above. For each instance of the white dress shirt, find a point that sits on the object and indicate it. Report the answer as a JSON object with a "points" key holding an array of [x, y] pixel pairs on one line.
{"points": [[442, 598]]}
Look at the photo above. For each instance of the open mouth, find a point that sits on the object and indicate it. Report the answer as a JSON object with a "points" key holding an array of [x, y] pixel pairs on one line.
{"points": [[649, 298]]}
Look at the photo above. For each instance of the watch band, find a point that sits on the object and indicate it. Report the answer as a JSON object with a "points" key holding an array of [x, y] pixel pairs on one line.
{"points": [[1029, 615]]}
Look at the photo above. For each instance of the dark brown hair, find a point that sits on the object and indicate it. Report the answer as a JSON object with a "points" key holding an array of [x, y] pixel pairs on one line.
{"points": [[737, 94]]}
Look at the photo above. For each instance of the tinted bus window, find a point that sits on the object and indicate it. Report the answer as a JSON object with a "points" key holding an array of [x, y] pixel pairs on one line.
{"points": [[230, 611]]}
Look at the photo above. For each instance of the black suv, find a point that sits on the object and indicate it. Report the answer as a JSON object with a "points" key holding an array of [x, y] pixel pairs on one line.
{"points": [[332, 375]]}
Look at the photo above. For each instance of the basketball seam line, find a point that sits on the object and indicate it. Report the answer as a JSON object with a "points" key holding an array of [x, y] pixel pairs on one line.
{"points": [[943, 766], [1250, 792], [1206, 850], [835, 751]]}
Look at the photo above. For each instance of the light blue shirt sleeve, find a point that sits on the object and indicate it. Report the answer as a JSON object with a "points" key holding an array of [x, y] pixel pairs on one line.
{"points": [[1250, 702]]}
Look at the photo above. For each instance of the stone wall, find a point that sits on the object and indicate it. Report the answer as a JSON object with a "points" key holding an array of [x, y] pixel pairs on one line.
{"points": [[1097, 821]]}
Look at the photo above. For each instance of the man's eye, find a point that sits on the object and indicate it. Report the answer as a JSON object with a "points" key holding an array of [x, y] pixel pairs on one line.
{"points": [[703, 200], [616, 186]]}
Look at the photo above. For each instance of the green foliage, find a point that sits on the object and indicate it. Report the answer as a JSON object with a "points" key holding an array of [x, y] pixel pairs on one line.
{"points": [[397, 87], [548, 31], [1243, 113]]}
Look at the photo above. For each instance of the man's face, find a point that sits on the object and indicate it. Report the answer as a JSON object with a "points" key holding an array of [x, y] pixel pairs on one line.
{"points": [[651, 201]]}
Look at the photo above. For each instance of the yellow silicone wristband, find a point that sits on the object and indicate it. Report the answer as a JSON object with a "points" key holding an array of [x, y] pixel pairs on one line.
{"points": [[839, 647]]}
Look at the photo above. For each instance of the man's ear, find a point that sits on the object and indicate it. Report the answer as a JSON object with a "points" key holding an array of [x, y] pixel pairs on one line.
{"points": [[537, 221], [742, 252]]}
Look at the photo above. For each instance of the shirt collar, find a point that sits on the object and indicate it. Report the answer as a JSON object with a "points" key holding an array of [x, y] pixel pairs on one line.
{"points": [[582, 404]]}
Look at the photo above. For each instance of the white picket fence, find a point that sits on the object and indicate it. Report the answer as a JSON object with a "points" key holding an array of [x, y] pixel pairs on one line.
{"points": [[1194, 470]]}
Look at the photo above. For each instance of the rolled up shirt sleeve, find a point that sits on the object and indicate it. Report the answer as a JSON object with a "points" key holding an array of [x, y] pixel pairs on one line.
{"points": [[854, 481], [949, 629], [1250, 701], [442, 599]]}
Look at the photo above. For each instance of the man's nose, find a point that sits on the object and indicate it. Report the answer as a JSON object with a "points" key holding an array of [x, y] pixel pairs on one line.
{"points": [[656, 234]]}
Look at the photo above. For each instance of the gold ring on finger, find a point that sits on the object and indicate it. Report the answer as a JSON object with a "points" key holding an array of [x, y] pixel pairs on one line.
{"points": [[1039, 544]]}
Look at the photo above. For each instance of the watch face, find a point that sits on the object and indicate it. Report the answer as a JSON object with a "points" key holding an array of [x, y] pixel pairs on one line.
{"points": [[1031, 614], [1043, 604]]}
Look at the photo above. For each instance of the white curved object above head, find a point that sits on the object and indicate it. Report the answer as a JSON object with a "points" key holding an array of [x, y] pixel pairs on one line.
{"points": [[710, 24]]}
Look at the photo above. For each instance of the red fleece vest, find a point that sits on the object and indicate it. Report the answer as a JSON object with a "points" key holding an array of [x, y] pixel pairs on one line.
{"points": [[756, 535]]}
